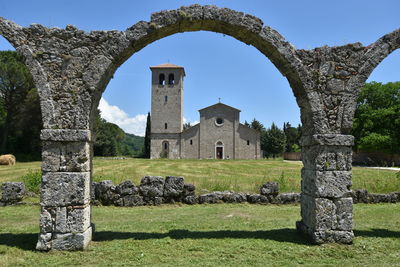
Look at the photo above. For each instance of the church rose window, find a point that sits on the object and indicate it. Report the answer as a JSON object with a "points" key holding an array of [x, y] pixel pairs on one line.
{"points": [[219, 121]]}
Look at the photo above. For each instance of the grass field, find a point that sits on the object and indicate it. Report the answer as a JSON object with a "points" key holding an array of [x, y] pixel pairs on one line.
{"points": [[205, 235], [215, 175]]}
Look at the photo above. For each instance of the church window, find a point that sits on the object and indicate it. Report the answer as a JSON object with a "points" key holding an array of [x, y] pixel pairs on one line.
{"points": [[166, 98], [171, 79], [219, 121], [248, 142], [165, 145], [191, 141], [165, 125], [161, 79]]}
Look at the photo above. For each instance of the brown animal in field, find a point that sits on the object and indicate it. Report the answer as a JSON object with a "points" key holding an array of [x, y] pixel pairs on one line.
{"points": [[7, 159]]}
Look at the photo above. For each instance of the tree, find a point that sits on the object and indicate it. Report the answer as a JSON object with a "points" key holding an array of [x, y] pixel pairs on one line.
{"points": [[273, 141], [256, 125], [292, 137], [108, 138], [186, 125], [147, 140], [376, 125], [15, 82]]}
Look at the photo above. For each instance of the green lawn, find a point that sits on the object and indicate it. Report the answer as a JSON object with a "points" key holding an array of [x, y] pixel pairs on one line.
{"points": [[214, 175], [205, 235]]}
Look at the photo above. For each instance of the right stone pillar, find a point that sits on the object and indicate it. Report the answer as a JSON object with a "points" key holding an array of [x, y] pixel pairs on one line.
{"points": [[326, 205]]}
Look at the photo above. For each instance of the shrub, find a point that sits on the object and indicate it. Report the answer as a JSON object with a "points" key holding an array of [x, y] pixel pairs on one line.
{"points": [[32, 180]]}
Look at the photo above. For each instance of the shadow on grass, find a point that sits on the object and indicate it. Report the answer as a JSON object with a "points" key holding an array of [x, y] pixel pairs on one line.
{"points": [[377, 233], [28, 241], [22, 241], [280, 235]]}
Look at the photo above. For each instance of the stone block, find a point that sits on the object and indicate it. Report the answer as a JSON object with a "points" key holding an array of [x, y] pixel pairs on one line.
{"points": [[362, 195], [327, 140], [286, 198], [65, 189], [230, 17], [66, 135], [173, 186], [379, 198], [46, 223], [211, 198], [257, 199], [325, 236], [72, 219], [189, 190], [191, 200], [133, 200], [72, 241], [44, 242], [234, 198], [327, 158], [66, 156], [152, 186], [319, 214], [269, 189], [332, 184], [127, 188], [344, 213], [12, 192]]}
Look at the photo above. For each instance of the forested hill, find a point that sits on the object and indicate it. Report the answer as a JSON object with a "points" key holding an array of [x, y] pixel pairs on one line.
{"points": [[111, 140], [133, 141]]}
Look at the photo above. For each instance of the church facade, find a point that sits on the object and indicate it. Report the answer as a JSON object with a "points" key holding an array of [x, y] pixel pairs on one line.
{"points": [[219, 135]]}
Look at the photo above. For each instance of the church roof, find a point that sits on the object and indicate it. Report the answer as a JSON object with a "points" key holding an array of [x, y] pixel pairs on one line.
{"points": [[168, 66], [220, 105]]}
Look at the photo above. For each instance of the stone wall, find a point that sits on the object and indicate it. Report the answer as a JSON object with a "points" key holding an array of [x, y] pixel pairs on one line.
{"points": [[156, 190]]}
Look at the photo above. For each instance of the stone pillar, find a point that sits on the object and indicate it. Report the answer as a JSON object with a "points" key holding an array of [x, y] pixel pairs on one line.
{"points": [[65, 219], [326, 207]]}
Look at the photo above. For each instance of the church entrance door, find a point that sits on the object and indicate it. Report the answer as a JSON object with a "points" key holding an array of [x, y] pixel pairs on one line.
{"points": [[219, 152]]}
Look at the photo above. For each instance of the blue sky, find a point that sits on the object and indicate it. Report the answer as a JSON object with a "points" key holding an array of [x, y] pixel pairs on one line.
{"points": [[217, 66]]}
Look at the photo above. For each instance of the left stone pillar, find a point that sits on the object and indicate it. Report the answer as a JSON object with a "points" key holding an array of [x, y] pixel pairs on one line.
{"points": [[65, 219]]}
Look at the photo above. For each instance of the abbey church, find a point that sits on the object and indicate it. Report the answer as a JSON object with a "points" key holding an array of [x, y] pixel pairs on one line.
{"points": [[219, 135]]}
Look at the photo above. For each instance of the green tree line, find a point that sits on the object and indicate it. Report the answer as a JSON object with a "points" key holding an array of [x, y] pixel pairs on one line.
{"points": [[21, 120]]}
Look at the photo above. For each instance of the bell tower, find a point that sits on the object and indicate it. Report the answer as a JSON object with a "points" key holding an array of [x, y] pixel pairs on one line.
{"points": [[166, 110]]}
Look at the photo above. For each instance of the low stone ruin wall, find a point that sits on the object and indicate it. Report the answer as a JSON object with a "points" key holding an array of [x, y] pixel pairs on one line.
{"points": [[155, 190], [12, 193]]}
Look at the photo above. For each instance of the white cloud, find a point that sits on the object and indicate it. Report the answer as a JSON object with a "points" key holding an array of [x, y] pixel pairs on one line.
{"points": [[135, 125], [191, 122]]}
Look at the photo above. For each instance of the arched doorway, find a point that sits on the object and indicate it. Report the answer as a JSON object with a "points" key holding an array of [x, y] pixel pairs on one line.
{"points": [[165, 149], [219, 150]]}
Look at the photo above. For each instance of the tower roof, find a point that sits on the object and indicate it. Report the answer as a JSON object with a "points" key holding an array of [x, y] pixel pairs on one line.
{"points": [[168, 66]]}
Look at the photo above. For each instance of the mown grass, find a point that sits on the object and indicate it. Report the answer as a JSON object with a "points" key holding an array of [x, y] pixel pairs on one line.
{"points": [[205, 235], [216, 175]]}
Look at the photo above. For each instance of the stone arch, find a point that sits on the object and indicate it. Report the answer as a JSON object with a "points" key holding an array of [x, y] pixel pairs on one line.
{"points": [[378, 51], [71, 69], [241, 26]]}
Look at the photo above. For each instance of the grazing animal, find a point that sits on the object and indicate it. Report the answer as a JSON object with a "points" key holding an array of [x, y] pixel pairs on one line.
{"points": [[7, 159]]}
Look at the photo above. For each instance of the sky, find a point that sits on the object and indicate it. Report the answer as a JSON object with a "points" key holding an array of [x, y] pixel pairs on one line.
{"points": [[216, 65]]}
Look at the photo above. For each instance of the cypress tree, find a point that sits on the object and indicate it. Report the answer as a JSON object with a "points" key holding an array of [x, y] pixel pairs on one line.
{"points": [[146, 148]]}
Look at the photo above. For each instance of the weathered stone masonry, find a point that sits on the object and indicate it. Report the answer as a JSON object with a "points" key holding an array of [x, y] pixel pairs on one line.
{"points": [[71, 69]]}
